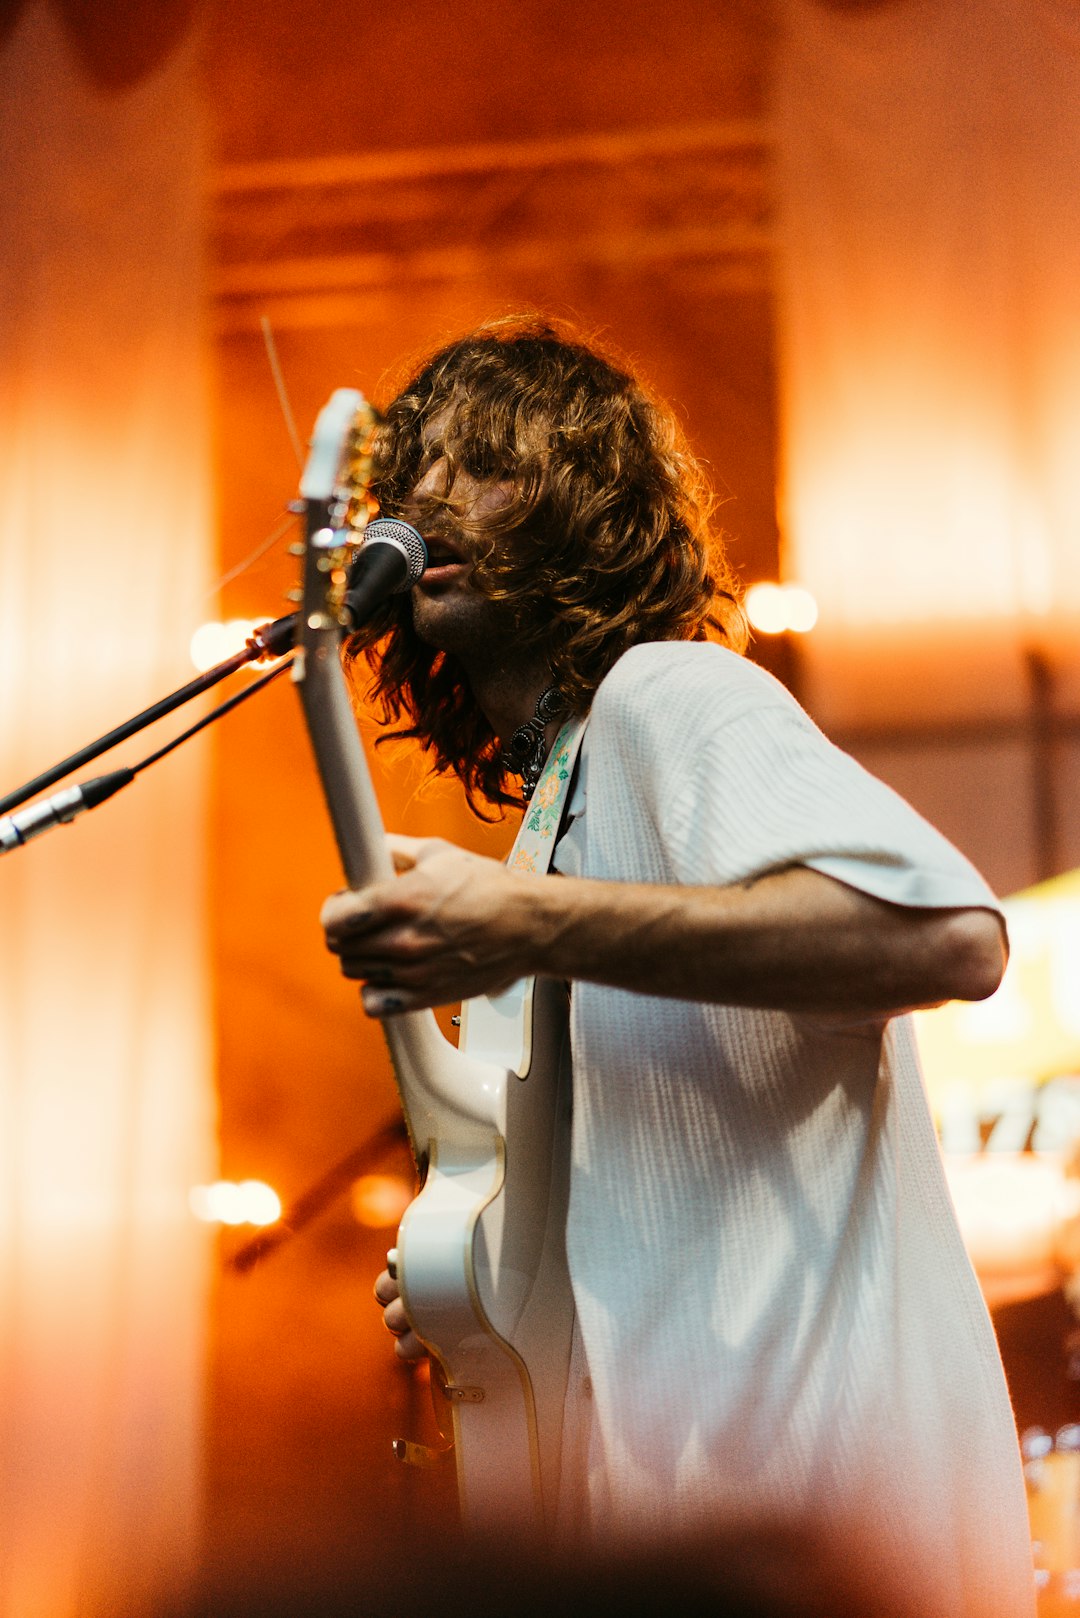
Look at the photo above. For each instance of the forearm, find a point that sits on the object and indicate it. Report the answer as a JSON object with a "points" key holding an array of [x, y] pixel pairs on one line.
{"points": [[795, 941], [453, 925]]}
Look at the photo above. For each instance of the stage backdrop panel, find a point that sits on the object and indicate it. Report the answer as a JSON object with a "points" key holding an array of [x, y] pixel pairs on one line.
{"points": [[929, 354], [106, 1112]]}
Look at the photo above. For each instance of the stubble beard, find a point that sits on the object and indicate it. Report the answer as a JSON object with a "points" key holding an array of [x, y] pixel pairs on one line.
{"points": [[468, 626]]}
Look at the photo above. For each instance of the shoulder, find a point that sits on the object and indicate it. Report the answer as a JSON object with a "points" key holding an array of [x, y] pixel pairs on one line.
{"points": [[687, 684]]}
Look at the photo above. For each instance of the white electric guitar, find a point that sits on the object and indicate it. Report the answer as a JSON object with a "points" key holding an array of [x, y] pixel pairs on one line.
{"points": [[481, 1257]]}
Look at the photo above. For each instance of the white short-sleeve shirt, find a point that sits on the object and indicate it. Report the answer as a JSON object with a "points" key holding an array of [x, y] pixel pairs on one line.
{"points": [[773, 1299]]}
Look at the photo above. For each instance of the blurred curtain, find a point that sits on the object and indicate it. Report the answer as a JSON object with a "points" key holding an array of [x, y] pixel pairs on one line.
{"points": [[106, 1114], [930, 311]]}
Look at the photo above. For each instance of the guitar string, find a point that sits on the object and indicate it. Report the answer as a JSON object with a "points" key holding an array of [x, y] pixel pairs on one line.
{"points": [[279, 383], [286, 522]]}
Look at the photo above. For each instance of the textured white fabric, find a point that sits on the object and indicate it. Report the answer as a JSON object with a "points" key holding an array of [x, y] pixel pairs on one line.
{"points": [[775, 1304]]}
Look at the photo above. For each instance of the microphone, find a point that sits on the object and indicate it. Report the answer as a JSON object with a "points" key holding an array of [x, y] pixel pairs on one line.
{"points": [[392, 558]]}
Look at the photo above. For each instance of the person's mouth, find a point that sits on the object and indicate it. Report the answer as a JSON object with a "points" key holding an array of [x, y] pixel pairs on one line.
{"points": [[445, 561]]}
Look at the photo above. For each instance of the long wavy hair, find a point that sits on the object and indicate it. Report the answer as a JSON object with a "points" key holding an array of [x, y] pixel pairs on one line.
{"points": [[605, 541]]}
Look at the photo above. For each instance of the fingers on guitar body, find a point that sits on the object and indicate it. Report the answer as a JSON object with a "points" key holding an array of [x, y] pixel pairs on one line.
{"points": [[407, 1346]]}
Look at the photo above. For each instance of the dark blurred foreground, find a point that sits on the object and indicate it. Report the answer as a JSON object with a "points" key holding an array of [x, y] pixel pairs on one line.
{"points": [[746, 1572]]}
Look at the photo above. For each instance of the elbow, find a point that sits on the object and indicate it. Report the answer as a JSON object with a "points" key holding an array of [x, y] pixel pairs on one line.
{"points": [[976, 951]]}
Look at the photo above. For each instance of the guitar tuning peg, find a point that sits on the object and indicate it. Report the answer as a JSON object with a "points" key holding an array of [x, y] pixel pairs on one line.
{"points": [[296, 549], [295, 595], [297, 507]]}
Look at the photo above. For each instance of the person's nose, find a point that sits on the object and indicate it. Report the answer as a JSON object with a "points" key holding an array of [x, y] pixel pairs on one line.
{"points": [[431, 486]]}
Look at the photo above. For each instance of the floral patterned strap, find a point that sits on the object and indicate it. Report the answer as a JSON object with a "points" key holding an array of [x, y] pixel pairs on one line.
{"points": [[535, 841], [499, 1028]]}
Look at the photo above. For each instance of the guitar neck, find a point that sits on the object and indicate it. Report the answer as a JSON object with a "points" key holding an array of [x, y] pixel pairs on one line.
{"points": [[339, 755], [443, 1091]]}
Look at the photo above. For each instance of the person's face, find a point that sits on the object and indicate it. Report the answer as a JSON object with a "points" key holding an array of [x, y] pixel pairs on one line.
{"points": [[448, 611]]}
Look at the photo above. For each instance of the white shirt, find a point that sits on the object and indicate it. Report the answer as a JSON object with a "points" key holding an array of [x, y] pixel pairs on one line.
{"points": [[773, 1299]]}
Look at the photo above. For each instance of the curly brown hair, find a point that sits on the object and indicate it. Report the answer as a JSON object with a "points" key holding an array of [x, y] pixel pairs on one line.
{"points": [[605, 540]]}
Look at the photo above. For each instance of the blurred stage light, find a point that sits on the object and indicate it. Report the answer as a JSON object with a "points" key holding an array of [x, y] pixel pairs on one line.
{"points": [[213, 642], [1011, 1207], [776, 609], [226, 1202], [379, 1200]]}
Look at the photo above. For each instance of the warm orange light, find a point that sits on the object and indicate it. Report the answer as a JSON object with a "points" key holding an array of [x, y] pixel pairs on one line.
{"points": [[379, 1200], [1010, 1207], [1030, 1028], [776, 609], [226, 1202], [802, 609], [213, 642]]}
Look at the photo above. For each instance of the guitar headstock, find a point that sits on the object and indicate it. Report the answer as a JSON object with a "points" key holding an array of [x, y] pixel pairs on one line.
{"points": [[337, 508]]}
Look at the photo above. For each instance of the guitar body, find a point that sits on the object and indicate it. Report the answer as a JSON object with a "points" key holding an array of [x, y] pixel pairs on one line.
{"points": [[481, 1251], [482, 1269]]}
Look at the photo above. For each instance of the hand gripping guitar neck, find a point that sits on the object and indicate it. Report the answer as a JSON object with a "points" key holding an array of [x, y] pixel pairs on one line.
{"points": [[481, 1251]]}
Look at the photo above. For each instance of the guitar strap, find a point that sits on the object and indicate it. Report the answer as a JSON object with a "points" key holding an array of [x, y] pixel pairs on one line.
{"points": [[539, 831], [498, 1028]]}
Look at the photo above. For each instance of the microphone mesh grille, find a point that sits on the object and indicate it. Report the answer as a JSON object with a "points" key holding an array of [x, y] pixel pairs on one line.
{"points": [[392, 531]]}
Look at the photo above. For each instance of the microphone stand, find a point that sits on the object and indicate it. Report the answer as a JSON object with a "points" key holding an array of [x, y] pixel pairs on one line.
{"points": [[394, 562], [272, 640], [18, 829]]}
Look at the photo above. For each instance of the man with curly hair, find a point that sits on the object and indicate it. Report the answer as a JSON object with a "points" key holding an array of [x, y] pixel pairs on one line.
{"points": [[775, 1312]]}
